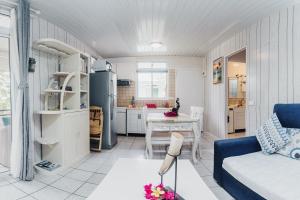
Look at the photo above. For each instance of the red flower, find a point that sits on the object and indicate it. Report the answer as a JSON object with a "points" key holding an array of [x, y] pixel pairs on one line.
{"points": [[169, 195]]}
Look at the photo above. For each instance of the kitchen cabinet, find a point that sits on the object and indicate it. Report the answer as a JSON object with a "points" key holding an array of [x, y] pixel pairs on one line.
{"points": [[230, 125], [135, 121], [120, 121], [239, 118]]}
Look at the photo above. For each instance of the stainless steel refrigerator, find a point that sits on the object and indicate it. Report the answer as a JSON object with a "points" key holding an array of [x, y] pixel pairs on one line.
{"points": [[103, 93]]}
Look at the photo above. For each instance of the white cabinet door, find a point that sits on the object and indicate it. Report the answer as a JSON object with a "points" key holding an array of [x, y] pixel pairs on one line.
{"points": [[230, 122], [132, 121], [140, 122], [120, 122], [83, 140], [70, 132]]}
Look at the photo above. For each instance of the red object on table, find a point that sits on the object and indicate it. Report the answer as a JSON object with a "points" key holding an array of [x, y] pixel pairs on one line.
{"points": [[151, 105], [171, 114]]}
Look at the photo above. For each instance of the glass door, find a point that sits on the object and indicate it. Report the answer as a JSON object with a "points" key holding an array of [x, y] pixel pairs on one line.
{"points": [[5, 101]]}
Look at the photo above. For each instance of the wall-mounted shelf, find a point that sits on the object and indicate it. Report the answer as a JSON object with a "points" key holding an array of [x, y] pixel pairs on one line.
{"points": [[46, 141], [55, 47], [82, 74], [59, 91], [61, 74]]}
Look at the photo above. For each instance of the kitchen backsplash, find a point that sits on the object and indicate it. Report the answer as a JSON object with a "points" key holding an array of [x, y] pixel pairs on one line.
{"points": [[125, 94]]}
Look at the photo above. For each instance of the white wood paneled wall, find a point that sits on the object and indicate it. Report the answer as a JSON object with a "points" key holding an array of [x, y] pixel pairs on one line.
{"points": [[273, 69], [46, 65]]}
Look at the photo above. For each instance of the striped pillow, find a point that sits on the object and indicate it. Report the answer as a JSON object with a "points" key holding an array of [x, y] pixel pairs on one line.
{"points": [[272, 136]]}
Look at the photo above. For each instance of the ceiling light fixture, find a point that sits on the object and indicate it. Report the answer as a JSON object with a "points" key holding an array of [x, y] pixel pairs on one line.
{"points": [[156, 45]]}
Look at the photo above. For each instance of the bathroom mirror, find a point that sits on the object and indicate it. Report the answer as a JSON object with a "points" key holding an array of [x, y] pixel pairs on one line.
{"points": [[232, 87]]}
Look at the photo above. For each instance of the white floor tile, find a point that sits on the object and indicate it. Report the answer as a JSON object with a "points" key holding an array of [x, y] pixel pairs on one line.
{"points": [[27, 198], [89, 166], [5, 179], [209, 164], [210, 181], [10, 192], [67, 184], [104, 169], [65, 171], [86, 189], [3, 169], [75, 197], [50, 193], [202, 170], [47, 179], [79, 175], [221, 193], [29, 186], [96, 178]]}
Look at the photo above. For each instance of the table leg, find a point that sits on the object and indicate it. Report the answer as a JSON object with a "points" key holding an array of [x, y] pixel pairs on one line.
{"points": [[196, 143], [148, 141]]}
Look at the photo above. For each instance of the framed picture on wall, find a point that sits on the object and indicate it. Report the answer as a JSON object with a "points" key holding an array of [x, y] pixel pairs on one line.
{"points": [[218, 65]]}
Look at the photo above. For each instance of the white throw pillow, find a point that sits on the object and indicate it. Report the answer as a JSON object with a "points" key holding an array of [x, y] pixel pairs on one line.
{"points": [[272, 136], [292, 149]]}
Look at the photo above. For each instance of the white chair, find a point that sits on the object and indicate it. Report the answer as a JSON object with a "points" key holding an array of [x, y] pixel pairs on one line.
{"points": [[161, 134]]}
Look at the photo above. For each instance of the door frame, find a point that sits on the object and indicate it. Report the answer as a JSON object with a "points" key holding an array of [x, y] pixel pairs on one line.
{"points": [[226, 88]]}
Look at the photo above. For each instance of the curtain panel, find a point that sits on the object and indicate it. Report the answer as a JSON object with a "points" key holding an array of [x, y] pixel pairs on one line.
{"points": [[22, 140]]}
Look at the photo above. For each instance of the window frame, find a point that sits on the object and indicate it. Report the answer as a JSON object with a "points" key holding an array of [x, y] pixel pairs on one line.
{"points": [[141, 71], [5, 112]]}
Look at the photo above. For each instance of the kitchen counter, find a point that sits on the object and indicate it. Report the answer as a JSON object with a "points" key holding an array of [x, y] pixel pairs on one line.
{"points": [[140, 108]]}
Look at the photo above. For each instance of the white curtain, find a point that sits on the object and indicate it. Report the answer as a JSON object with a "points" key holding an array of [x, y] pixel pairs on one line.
{"points": [[16, 110]]}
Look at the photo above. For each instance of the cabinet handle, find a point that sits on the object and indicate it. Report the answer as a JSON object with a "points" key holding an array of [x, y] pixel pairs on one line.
{"points": [[139, 116]]}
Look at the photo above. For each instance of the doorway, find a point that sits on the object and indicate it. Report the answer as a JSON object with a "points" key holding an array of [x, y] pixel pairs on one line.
{"points": [[236, 76]]}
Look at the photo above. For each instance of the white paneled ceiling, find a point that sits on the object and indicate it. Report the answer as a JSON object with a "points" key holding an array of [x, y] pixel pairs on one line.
{"points": [[118, 28]]}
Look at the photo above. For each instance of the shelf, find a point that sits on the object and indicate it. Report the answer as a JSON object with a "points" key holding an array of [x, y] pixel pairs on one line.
{"points": [[83, 91], [46, 141], [82, 74], [58, 91], [59, 112], [54, 46], [61, 73]]}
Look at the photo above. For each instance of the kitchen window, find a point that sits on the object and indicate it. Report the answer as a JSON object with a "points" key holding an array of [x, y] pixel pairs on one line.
{"points": [[152, 81]]}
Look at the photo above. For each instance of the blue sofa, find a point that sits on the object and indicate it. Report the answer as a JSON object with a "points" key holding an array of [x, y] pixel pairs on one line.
{"points": [[289, 117]]}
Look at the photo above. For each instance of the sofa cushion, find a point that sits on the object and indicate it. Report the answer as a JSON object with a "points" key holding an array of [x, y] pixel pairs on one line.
{"points": [[292, 149], [271, 176], [272, 136]]}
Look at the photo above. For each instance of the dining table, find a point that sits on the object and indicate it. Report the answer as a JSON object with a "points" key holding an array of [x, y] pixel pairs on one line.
{"points": [[182, 123]]}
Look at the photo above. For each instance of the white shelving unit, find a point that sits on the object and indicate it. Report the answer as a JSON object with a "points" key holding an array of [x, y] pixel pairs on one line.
{"points": [[65, 118]]}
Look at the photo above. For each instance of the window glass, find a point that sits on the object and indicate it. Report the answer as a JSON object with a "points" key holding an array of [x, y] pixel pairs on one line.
{"points": [[152, 80], [4, 75]]}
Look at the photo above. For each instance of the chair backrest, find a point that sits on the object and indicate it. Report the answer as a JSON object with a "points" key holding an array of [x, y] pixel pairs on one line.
{"points": [[288, 115], [145, 114], [197, 113]]}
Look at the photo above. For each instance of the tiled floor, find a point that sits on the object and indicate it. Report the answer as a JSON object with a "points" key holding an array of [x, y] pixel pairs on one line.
{"points": [[236, 135], [79, 181]]}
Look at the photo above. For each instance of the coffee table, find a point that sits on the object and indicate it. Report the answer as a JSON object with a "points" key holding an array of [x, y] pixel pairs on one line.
{"points": [[128, 176]]}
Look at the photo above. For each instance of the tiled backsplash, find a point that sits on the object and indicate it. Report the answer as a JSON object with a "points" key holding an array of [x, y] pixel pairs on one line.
{"points": [[125, 93]]}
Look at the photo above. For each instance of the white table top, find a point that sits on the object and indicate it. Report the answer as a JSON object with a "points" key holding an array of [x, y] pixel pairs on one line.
{"points": [[160, 117], [127, 178]]}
